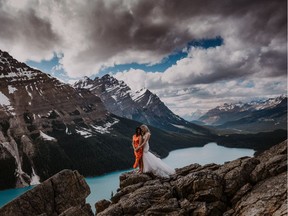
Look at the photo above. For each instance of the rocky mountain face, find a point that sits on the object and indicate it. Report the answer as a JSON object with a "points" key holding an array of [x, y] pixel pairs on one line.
{"points": [[262, 115], [47, 126], [246, 186], [142, 105], [32, 106]]}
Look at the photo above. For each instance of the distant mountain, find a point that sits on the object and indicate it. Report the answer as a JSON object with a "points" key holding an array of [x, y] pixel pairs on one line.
{"points": [[142, 105], [194, 116], [47, 126], [256, 116]]}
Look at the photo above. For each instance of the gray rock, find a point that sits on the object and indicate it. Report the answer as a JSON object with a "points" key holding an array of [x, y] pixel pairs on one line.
{"points": [[246, 186], [266, 197], [62, 194]]}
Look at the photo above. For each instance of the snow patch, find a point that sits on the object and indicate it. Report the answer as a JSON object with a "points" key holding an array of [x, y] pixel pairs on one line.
{"points": [[149, 100], [4, 100], [46, 137], [11, 89], [29, 92], [84, 132], [105, 128], [35, 179], [138, 94], [67, 131]]}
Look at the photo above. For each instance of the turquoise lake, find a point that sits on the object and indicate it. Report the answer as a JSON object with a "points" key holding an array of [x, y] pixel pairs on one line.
{"points": [[103, 186]]}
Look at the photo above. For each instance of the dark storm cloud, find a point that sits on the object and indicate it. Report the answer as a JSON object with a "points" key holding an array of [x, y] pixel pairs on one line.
{"points": [[157, 26], [96, 33], [27, 32]]}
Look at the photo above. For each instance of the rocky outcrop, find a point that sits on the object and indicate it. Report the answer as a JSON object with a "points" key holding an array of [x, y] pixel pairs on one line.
{"points": [[63, 194], [246, 186]]}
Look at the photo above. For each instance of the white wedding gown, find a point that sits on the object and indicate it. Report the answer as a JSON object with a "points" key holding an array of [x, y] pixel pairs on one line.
{"points": [[154, 164]]}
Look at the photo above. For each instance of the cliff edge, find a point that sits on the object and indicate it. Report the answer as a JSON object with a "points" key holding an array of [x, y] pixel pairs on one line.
{"points": [[246, 186]]}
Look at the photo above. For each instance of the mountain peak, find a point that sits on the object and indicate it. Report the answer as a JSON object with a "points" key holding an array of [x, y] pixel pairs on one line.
{"points": [[142, 105]]}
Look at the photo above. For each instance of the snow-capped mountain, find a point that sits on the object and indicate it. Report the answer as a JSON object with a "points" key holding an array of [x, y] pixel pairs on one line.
{"points": [[142, 105], [261, 115], [47, 126], [34, 105]]}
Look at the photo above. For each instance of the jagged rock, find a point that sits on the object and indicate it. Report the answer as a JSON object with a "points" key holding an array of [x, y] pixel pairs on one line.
{"points": [[131, 178], [236, 174], [199, 186], [265, 198], [63, 194], [237, 188], [274, 161], [102, 205]]}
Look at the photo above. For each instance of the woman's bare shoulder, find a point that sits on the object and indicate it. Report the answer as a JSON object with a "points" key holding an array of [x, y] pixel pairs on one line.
{"points": [[147, 134]]}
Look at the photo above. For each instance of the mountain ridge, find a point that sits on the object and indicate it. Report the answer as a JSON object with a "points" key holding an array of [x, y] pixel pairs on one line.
{"points": [[142, 105], [257, 116]]}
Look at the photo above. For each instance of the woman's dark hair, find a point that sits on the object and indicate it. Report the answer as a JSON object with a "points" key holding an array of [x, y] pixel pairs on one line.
{"points": [[138, 131]]}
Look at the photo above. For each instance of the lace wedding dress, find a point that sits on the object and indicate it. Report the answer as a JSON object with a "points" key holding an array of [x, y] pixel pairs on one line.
{"points": [[154, 164]]}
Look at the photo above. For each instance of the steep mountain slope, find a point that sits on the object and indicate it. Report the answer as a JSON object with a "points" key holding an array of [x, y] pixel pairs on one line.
{"points": [[262, 115], [47, 126], [142, 106]]}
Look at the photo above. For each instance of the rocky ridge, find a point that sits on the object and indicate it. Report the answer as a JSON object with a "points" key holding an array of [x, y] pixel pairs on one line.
{"points": [[256, 116], [246, 186]]}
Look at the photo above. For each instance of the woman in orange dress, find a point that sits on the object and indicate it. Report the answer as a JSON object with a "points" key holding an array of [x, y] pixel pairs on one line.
{"points": [[136, 141]]}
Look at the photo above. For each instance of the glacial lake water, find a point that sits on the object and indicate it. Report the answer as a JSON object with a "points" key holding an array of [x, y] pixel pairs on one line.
{"points": [[103, 186]]}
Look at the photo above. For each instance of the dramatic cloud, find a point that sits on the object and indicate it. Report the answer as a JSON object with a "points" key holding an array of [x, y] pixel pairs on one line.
{"points": [[95, 34], [26, 35]]}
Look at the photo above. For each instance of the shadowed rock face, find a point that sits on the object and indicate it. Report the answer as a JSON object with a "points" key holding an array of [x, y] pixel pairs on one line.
{"points": [[246, 186], [62, 194]]}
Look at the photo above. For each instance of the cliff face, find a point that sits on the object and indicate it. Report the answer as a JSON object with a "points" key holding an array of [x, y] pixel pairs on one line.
{"points": [[246, 186], [33, 105]]}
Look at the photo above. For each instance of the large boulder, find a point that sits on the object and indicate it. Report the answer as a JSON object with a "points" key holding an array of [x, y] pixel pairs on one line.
{"points": [[63, 194]]}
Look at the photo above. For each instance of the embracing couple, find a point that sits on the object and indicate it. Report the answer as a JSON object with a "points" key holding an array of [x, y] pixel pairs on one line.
{"points": [[144, 159]]}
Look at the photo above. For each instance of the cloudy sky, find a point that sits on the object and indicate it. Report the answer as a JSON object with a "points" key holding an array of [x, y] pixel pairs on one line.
{"points": [[194, 54]]}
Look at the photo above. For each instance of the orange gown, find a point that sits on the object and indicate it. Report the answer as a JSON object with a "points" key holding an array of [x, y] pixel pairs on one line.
{"points": [[138, 154]]}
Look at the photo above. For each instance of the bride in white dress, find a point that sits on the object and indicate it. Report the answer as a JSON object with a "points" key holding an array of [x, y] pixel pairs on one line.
{"points": [[151, 163]]}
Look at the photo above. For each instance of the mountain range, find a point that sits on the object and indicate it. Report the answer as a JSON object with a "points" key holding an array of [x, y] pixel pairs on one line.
{"points": [[142, 105], [255, 116], [47, 126]]}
